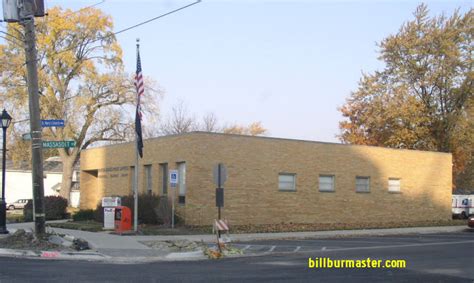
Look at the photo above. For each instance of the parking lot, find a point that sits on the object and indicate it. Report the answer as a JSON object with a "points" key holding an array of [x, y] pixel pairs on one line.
{"points": [[355, 243]]}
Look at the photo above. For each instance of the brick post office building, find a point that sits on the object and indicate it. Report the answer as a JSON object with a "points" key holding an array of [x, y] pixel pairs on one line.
{"points": [[273, 180]]}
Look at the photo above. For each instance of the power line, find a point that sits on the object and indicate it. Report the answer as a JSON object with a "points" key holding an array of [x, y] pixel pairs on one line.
{"points": [[136, 25], [11, 40], [11, 35], [90, 6], [83, 8], [156, 18], [122, 30], [130, 27]]}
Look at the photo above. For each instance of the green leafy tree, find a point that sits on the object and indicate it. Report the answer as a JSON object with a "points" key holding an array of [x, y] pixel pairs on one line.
{"points": [[81, 80], [420, 99]]}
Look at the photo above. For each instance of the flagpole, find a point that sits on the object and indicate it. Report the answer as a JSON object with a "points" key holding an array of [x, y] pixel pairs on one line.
{"points": [[135, 192], [135, 187]]}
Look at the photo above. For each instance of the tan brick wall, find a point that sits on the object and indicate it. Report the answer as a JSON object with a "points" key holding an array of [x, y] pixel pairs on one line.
{"points": [[253, 165]]}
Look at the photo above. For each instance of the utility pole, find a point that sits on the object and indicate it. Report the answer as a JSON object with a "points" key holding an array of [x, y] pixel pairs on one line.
{"points": [[27, 20]]}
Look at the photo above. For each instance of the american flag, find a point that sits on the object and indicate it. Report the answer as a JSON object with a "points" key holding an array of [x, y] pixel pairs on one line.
{"points": [[138, 115]]}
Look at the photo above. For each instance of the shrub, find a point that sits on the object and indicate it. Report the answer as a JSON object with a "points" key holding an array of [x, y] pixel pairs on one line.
{"points": [[99, 213], [54, 206], [28, 211], [163, 211], [84, 214], [148, 212]]}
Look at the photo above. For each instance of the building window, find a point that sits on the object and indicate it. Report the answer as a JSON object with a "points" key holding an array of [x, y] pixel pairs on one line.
{"points": [[393, 185], [148, 179], [287, 182], [132, 178], [164, 178], [75, 176], [326, 183], [362, 184], [182, 182]]}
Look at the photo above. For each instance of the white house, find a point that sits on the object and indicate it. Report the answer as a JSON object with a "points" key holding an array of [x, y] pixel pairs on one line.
{"points": [[18, 181]]}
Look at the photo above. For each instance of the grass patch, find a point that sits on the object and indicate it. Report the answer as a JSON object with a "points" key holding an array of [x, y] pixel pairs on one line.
{"points": [[299, 227], [179, 230], [94, 226], [15, 217], [89, 225]]}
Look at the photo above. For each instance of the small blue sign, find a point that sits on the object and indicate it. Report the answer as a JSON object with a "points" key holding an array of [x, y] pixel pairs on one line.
{"points": [[173, 178], [52, 123]]}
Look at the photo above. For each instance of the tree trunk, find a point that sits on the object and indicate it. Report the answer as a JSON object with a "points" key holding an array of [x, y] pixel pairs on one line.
{"points": [[68, 168]]}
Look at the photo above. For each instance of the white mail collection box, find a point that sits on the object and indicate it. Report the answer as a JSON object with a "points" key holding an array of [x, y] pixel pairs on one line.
{"points": [[109, 204]]}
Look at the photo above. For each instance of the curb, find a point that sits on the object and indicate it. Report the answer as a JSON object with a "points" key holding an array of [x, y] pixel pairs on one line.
{"points": [[186, 255], [91, 256], [98, 257], [346, 233]]}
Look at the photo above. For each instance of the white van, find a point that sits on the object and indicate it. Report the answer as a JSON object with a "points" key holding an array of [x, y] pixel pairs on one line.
{"points": [[470, 205], [462, 206]]}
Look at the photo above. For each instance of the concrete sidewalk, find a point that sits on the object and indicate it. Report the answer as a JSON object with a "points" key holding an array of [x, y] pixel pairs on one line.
{"points": [[98, 240], [130, 249], [313, 235], [104, 247]]}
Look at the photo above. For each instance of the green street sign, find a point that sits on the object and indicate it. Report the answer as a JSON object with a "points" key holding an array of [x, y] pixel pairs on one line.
{"points": [[59, 144]]}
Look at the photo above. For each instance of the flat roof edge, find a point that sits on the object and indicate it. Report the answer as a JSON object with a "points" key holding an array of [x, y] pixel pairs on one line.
{"points": [[270, 138]]}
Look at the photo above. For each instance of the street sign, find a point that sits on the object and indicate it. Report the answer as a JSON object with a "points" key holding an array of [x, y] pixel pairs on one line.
{"points": [[173, 178], [52, 123], [26, 137], [219, 174], [59, 144]]}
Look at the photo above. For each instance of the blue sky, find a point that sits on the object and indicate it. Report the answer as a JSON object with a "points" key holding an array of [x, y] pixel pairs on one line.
{"points": [[288, 64]]}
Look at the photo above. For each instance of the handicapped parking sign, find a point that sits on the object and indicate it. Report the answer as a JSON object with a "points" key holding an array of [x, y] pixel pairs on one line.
{"points": [[173, 178]]}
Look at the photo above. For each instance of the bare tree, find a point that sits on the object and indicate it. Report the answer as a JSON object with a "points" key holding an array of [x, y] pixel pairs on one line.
{"points": [[209, 123], [180, 121]]}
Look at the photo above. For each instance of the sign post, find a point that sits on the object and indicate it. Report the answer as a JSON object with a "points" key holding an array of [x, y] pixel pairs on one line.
{"points": [[220, 176], [173, 183]]}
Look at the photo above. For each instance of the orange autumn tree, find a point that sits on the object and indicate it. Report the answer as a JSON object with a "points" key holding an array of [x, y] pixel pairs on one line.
{"points": [[81, 80], [423, 97]]}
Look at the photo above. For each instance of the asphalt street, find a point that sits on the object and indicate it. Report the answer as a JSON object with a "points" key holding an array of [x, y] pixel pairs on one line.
{"points": [[429, 258]]}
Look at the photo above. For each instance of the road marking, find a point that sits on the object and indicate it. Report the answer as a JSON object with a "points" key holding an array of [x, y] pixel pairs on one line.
{"points": [[399, 246], [329, 249], [280, 263], [355, 241], [462, 236]]}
